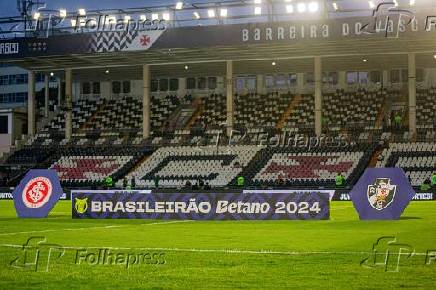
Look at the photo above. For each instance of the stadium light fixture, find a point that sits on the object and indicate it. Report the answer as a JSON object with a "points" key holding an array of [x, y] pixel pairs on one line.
{"points": [[51, 74], [289, 8], [186, 67], [301, 7], [335, 6], [371, 4], [63, 13], [273, 63], [313, 7], [166, 16], [223, 12], [179, 5], [196, 15], [257, 10], [434, 56], [211, 13], [36, 15], [82, 12], [412, 2], [365, 60], [107, 71], [143, 17], [154, 16]]}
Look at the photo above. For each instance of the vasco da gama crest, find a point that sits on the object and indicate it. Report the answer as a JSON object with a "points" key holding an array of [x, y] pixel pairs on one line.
{"points": [[381, 193]]}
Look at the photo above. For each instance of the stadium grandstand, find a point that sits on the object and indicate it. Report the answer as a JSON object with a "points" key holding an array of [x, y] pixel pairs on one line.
{"points": [[154, 101], [181, 98]]}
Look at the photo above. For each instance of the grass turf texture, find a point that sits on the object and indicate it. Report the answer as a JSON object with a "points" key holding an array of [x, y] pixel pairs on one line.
{"points": [[314, 254]]}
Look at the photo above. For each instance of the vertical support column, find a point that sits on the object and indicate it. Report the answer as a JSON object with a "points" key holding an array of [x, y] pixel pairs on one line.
{"points": [[68, 104], [318, 96], [385, 79], [412, 92], [182, 87], [260, 84], [342, 80], [46, 94], [145, 101], [229, 96], [300, 83], [31, 104], [59, 92]]}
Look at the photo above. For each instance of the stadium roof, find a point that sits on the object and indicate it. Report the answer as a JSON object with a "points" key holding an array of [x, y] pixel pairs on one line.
{"points": [[204, 48]]}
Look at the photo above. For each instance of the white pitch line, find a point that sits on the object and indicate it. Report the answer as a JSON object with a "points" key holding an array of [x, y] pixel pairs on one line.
{"points": [[223, 251], [92, 228], [166, 223]]}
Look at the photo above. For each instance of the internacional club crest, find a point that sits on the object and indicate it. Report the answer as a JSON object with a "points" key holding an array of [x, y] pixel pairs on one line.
{"points": [[381, 194], [37, 192]]}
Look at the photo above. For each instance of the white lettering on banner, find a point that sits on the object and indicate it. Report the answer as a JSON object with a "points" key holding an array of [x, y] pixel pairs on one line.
{"points": [[345, 29], [283, 33], [6, 195], [9, 48], [423, 196]]}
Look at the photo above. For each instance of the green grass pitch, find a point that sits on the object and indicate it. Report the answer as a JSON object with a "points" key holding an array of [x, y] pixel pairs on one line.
{"points": [[213, 255]]}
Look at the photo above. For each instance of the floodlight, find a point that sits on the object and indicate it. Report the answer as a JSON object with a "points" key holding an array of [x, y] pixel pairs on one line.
{"points": [[313, 7], [301, 7], [63, 13]]}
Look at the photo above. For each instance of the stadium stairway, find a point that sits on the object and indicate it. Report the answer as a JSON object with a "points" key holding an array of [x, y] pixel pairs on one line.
{"points": [[198, 112], [90, 121], [288, 111]]}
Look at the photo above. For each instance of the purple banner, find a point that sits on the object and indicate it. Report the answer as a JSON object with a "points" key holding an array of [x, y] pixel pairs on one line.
{"points": [[382, 193], [202, 206], [37, 193]]}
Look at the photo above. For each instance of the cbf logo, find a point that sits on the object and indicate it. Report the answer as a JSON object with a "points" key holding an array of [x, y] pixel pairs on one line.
{"points": [[37, 192], [381, 194], [81, 205]]}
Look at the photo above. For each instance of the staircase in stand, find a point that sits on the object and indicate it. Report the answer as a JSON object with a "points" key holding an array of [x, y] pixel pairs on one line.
{"points": [[295, 101]]}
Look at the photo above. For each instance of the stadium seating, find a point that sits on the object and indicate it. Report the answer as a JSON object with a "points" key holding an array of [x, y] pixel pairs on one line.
{"points": [[214, 111], [352, 109], [418, 160], [90, 165], [174, 166], [302, 167], [122, 113], [82, 111], [426, 109], [303, 116], [254, 110]]}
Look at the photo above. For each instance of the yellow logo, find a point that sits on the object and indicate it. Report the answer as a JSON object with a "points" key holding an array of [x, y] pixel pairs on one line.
{"points": [[81, 205]]}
